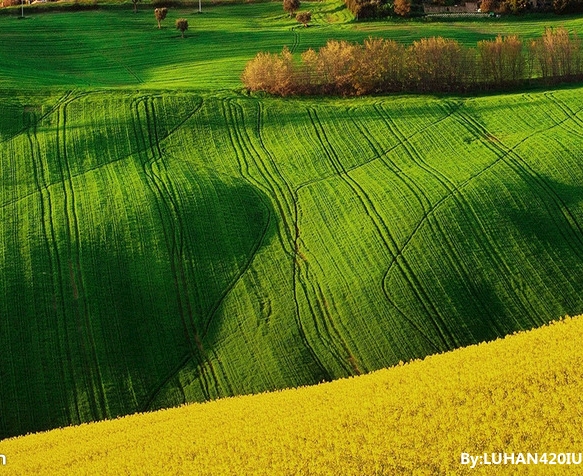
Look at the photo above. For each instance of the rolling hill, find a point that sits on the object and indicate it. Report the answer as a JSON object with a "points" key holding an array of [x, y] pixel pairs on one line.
{"points": [[164, 248], [166, 238]]}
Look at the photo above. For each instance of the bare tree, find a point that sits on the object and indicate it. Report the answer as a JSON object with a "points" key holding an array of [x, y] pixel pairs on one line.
{"points": [[182, 25], [304, 18], [160, 14], [135, 2], [291, 6]]}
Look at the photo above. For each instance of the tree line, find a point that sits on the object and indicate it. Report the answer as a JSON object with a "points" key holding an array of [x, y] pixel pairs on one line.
{"points": [[428, 65], [363, 9]]}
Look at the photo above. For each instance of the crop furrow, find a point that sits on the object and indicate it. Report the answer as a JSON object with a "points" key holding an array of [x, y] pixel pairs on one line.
{"points": [[155, 392], [503, 153], [381, 228], [237, 147], [296, 40], [460, 199], [529, 175], [415, 190], [447, 337], [242, 271], [168, 227], [378, 155], [570, 115], [219, 363], [169, 197], [273, 185], [385, 235], [87, 348], [574, 115], [331, 343], [52, 254], [340, 346], [484, 237], [77, 276], [291, 210], [417, 193]]}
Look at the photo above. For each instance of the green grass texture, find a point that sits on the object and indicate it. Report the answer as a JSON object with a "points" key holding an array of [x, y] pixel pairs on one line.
{"points": [[166, 238], [160, 248], [113, 47]]}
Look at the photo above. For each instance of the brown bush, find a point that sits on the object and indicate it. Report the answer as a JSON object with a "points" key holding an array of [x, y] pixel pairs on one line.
{"points": [[182, 25], [437, 64], [304, 18], [160, 14], [558, 54], [380, 67], [271, 73], [488, 6], [501, 60], [291, 6], [402, 7]]}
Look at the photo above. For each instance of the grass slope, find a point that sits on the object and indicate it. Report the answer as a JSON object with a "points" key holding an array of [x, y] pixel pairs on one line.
{"points": [[114, 47], [521, 394], [167, 245], [162, 248]]}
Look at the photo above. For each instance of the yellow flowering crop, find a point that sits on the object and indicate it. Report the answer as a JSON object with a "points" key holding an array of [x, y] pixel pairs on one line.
{"points": [[523, 394]]}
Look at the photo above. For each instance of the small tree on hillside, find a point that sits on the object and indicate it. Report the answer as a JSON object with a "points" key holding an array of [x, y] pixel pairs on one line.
{"points": [[182, 25], [304, 18], [402, 7], [291, 6], [135, 2], [160, 14]]}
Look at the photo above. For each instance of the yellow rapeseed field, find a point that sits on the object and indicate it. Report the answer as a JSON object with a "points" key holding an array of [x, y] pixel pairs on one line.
{"points": [[522, 394]]}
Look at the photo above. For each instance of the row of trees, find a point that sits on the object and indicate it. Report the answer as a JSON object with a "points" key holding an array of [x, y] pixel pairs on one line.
{"points": [[362, 9], [522, 6], [428, 65]]}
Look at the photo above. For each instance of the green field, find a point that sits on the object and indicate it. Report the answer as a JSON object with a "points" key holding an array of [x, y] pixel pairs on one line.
{"points": [[114, 47], [163, 244]]}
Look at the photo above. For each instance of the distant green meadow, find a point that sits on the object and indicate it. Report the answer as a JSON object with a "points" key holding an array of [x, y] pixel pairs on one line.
{"points": [[166, 238], [113, 47]]}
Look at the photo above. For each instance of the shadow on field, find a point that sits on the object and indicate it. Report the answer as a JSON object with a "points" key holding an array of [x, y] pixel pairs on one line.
{"points": [[114, 301], [506, 257]]}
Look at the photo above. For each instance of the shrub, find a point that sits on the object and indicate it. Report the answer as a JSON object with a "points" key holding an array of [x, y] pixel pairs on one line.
{"points": [[437, 64], [501, 60], [428, 65], [402, 7], [304, 18], [160, 14], [271, 73], [558, 54], [488, 6], [182, 25], [291, 6]]}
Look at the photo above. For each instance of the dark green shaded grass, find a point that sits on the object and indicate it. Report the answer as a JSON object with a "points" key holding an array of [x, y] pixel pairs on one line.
{"points": [[158, 248], [159, 245]]}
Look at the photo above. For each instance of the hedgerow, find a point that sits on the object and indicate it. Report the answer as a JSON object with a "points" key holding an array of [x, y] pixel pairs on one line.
{"points": [[428, 65]]}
